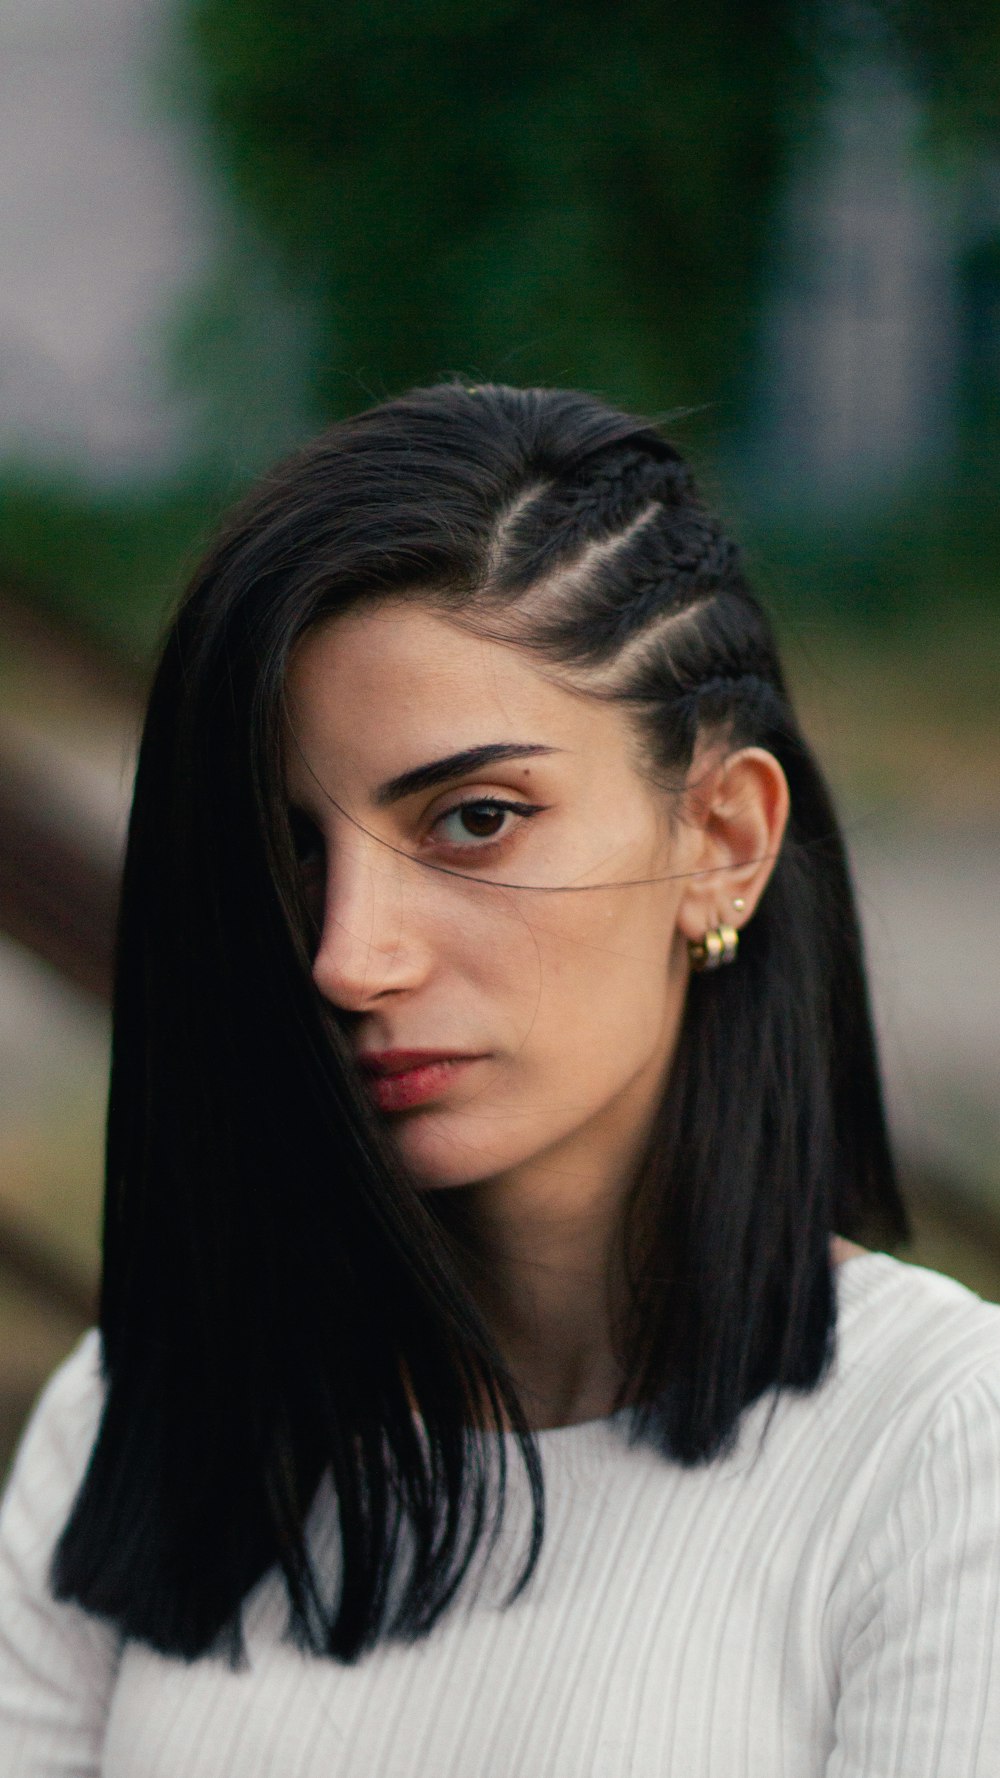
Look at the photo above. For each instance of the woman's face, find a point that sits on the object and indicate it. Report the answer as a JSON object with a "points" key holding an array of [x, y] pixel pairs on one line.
{"points": [[519, 911]]}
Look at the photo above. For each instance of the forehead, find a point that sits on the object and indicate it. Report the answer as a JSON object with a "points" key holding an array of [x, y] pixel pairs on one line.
{"points": [[384, 687]]}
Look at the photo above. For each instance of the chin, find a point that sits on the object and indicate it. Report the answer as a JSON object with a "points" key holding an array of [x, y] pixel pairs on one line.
{"points": [[438, 1157]]}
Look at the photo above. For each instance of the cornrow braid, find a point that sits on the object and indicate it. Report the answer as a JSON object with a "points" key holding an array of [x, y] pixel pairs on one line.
{"points": [[728, 689], [588, 503], [583, 593], [612, 490]]}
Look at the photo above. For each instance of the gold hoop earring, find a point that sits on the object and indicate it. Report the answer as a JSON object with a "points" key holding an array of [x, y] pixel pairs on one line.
{"points": [[718, 946]]}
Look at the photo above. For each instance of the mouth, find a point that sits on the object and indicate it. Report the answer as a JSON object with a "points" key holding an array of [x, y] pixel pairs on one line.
{"points": [[400, 1079]]}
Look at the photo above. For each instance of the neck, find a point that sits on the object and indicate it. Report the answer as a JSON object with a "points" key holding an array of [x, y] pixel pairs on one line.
{"points": [[544, 1253], [545, 1243], [548, 1279]]}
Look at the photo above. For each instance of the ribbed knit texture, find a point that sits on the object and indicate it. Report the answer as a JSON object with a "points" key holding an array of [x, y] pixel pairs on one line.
{"points": [[825, 1604]]}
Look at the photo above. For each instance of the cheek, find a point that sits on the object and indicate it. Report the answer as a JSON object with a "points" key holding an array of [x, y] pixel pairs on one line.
{"points": [[609, 966], [574, 1004], [581, 995]]}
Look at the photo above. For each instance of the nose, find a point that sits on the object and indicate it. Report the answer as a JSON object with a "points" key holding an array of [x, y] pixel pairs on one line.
{"points": [[368, 944]]}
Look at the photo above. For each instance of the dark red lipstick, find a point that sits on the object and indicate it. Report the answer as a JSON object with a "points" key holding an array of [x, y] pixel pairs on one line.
{"points": [[400, 1079]]}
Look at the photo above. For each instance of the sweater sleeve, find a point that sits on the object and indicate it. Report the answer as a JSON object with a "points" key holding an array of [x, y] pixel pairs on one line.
{"points": [[57, 1663], [920, 1669]]}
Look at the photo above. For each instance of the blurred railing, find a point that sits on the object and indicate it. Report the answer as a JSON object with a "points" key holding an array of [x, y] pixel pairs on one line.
{"points": [[58, 899], [58, 893], [60, 860]]}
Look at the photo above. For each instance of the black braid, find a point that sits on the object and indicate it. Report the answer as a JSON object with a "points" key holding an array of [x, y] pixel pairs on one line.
{"points": [[729, 686], [615, 492], [594, 501], [674, 562]]}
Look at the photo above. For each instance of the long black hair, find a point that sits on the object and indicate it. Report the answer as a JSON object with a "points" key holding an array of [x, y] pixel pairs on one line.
{"points": [[281, 1310]]}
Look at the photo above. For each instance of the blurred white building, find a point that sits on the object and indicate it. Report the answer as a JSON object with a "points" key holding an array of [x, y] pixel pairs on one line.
{"points": [[104, 225], [860, 334]]}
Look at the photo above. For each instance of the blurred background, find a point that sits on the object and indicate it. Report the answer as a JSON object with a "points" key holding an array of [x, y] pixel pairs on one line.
{"points": [[223, 222]]}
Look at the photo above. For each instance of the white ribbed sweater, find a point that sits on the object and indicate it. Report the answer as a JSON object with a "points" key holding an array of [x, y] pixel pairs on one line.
{"points": [[824, 1605]]}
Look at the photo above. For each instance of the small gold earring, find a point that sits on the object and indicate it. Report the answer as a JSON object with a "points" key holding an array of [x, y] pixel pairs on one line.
{"points": [[730, 943], [718, 946], [739, 904]]}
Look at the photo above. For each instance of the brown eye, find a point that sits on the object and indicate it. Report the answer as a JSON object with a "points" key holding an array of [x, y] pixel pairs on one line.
{"points": [[482, 820]]}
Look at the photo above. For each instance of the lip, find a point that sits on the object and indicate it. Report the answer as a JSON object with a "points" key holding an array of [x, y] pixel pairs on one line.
{"points": [[400, 1079]]}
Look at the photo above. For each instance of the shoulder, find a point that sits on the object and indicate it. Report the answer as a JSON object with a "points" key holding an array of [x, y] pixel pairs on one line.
{"points": [[916, 1355], [69, 1405], [56, 1443], [913, 1406], [910, 1413], [57, 1662], [911, 1337], [74, 1392]]}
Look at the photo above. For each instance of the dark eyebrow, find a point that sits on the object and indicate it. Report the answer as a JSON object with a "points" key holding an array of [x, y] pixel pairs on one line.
{"points": [[454, 765]]}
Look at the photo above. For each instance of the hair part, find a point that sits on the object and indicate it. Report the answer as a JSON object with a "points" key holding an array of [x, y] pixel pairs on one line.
{"points": [[281, 1310]]}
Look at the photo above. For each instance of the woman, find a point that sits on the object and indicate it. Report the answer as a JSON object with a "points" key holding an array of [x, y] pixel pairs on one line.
{"points": [[489, 1377]]}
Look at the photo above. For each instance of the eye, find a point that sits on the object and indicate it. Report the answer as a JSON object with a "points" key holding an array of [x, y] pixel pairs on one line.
{"points": [[310, 852], [483, 820]]}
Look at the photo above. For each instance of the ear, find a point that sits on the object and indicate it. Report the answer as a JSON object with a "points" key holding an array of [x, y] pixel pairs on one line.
{"points": [[736, 809]]}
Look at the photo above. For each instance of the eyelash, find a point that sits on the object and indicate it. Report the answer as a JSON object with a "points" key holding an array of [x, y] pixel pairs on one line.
{"points": [[308, 845], [524, 810]]}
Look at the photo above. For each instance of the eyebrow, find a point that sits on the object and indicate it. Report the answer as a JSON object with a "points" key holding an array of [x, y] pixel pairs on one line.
{"points": [[454, 765]]}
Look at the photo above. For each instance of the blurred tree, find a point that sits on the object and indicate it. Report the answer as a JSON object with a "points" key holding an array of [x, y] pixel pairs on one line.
{"points": [[953, 51], [510, 190], [560, 193]]}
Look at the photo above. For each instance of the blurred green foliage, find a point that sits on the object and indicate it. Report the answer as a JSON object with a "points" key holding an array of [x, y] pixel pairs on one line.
{"points": [[560, 193], [110, 562], [952, 48]]}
